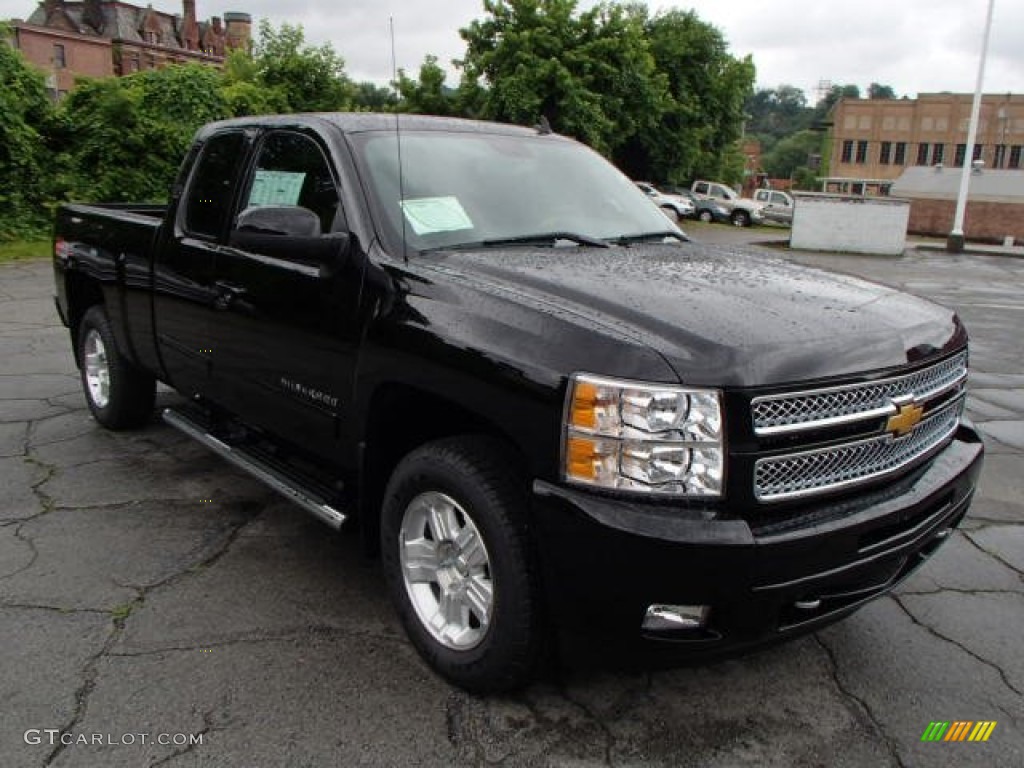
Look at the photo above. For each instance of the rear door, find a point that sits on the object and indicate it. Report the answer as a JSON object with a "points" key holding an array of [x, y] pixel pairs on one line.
{"points": [[286, 329], [184, 290]]}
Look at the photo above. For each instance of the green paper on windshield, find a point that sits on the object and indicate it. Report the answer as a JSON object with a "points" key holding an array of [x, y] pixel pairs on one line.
{"points": [[427, 215]]}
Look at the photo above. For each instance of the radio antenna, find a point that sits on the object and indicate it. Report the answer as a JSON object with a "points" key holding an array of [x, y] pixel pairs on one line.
{"points": [[398, 139]]}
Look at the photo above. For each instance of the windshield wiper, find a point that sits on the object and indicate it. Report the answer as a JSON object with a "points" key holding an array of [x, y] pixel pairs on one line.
{"points": [[647, 237], [544, 238]]}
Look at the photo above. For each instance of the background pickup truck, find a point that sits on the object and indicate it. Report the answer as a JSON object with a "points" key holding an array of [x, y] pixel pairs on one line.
{"points": [[543, 407], [777, 206], [742, 212]]}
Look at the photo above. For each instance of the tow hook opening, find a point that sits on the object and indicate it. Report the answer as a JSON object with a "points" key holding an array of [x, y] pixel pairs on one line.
{"points": [[682, 623]]}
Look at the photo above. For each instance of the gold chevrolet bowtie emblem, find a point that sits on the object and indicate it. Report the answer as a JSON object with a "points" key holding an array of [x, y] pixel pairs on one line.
{"points": [[905, 419]]}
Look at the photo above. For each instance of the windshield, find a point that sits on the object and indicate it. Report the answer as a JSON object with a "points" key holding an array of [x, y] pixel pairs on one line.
{"points": [[472, 188]]}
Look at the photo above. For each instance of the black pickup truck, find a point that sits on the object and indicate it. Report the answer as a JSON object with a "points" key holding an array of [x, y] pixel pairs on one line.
{"points": [[544, 407]]}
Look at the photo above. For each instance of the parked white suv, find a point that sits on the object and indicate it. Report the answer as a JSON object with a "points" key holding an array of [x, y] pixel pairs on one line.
{"points": [[742, 212], [676, 207]]}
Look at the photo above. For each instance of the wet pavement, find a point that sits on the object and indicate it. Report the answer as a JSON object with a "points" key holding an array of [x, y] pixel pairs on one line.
{"points": [[149, 593]]}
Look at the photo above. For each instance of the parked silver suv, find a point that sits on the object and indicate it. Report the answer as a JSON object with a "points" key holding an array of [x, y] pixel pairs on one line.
{"points": [[742, 212], [675, 207]]}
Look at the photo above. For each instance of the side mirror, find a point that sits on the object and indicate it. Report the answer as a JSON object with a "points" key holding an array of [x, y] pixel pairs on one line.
{"points": [[293, 220], [290, 233]]}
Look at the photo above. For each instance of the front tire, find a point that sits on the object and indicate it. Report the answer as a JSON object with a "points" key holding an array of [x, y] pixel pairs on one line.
{"points": [[120, 395], [458, 565]]}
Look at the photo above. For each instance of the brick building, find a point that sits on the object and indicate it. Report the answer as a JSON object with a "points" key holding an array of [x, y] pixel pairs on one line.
{"points": [[100, 38], [995, 202], [876, 139]]}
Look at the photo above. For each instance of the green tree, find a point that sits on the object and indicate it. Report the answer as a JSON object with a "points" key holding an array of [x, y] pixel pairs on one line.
{"points": [[370, 97], [773, 113], [791, 153], [702, 123], [591, 74], [243, 98], [25, 162], [879, 91], [835, 93], [427, 95], [661, 96], [124, 138], [311, 79]]}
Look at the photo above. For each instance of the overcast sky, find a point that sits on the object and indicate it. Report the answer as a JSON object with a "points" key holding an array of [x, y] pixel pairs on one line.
{"points": [[914, 45]]}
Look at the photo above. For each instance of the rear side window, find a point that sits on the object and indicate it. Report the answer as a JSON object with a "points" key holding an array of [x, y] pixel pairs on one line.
{"points": [[210, 194]]}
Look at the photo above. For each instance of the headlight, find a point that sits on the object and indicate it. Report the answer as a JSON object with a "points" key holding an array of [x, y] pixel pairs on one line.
{"points": [[647, 438]]}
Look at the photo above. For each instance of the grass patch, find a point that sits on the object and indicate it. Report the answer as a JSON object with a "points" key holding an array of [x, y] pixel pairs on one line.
{"points": [[23, 250], [122, 612]]}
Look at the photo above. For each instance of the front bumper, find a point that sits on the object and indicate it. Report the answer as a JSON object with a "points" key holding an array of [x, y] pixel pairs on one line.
{"points": [[605, 560]]}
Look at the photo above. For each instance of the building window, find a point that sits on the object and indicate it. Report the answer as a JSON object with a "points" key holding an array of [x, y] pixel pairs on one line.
{"points": [[1014, 156], [922, 154], [847, 156], [862, 152], [133, 63], [901, 153], [978, 151], [885, 155], [864, 123], [150, 61], [961, 153], [58, 56], [999, 158], [938, 154], [927, 123]]}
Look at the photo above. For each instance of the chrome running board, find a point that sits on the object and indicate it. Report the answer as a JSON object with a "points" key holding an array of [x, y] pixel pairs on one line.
{"points": [[288, 486]]}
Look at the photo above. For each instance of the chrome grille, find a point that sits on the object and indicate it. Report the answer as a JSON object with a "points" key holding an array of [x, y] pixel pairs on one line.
{"points": [[784, 414], [825, 469]]}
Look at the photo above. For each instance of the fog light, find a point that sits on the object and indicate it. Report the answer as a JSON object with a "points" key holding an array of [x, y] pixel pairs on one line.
{"points": [[662, 618]]}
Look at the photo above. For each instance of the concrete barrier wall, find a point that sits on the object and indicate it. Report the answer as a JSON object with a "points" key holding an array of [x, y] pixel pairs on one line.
{"points": [[876, 225]]}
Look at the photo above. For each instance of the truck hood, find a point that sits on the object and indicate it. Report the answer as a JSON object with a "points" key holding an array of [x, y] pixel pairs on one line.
{"points": [[722, 317]]}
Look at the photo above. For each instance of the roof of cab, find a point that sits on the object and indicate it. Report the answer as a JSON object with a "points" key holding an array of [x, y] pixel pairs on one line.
{"points": [[357, 122]]}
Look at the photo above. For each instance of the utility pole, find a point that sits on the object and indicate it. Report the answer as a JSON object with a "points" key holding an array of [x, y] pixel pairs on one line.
{"points": [[955, 241]]}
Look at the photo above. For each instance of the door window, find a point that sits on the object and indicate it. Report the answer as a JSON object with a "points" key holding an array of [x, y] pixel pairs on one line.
{"points": [[291, 170], [213, 184]]}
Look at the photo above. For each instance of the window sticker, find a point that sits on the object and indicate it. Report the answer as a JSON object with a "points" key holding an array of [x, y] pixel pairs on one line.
{"points": [[276, 187], [427, 215]]}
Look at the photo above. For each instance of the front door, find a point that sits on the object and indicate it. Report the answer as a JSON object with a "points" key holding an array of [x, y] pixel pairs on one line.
{"points": [[286, 334]]}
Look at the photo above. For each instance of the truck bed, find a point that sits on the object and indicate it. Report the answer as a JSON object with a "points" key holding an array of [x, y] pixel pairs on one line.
{"points": [[110, 245]]}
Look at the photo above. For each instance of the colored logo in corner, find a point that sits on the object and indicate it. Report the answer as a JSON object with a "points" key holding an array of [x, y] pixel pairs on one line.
{"points": [[959, 730]]}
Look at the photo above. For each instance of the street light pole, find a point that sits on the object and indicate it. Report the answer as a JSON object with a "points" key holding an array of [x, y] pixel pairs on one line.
{"points": [[955, 241]]}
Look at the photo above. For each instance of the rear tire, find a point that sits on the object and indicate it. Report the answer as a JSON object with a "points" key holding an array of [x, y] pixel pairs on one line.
{"points": [[120, 395], [458, 563], [706, 216], [741, 218]]}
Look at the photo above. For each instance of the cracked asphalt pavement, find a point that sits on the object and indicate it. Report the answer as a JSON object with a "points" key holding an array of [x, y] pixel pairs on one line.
{"points": [[147, 588]]}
